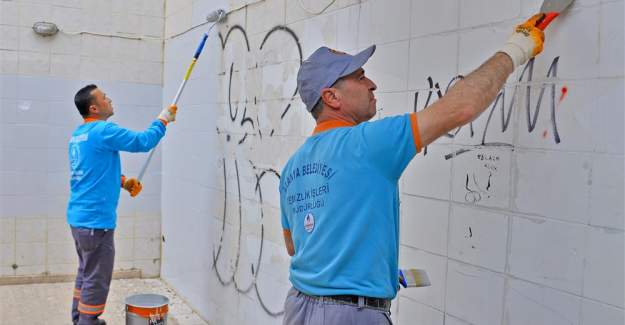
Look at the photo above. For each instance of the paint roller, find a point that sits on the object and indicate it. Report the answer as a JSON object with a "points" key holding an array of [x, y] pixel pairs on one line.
{"points": [[214, 17]]}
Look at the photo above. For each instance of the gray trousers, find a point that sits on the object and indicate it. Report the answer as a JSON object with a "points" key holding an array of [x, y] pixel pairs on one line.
{"points": [[96, 253], [301, 309]]}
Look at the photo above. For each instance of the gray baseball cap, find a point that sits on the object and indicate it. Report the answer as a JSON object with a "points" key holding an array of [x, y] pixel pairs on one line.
{"points": [[323, 68]]}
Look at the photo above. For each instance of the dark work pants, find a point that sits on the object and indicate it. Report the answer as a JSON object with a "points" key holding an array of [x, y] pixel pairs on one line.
{"points": [[96, 253]]}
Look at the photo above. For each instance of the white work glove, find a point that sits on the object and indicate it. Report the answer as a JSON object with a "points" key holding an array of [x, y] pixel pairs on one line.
{"points": [[525, 43], [168, 114]]}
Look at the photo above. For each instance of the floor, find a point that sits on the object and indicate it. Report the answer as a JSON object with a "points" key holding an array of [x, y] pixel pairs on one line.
{"points": [[50, 303]]}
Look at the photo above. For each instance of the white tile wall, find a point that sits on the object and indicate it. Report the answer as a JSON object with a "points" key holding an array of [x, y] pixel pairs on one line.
{"points": [[577, 117], [429, 175], [478, 237], [29, 13], [436, 268], [347, 28], [429, 17], [7, 230], [9, 13], [528, 303], [8, 61], [432, 56], [484, 12], [611, 34], [548, 252], [30, 254], [389, 21], [388, 67], [62, 253], [597, 313], [66, 44], [296, 11], [58, 231], [411, 312], [266, 15], [424, 223], [606, 192], [540, 189], [482, 177], [608, 100], [30, 230], [473, 294], [580, 26], [7, 254], [33, 63], [603, 270], [478, 44]]}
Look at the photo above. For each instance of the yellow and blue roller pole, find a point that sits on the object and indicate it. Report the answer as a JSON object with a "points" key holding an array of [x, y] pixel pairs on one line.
{"points": [[198, 51]]}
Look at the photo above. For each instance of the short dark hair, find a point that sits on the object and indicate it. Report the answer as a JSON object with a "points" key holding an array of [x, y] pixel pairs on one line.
{"points": [[316, 111], [83, 99]]}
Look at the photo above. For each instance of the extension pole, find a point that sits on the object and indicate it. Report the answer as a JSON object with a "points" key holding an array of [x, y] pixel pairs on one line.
{"points": [[218, 16]]}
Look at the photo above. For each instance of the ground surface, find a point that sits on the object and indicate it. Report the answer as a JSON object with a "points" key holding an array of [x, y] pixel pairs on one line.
{"points": [[50, 303]]}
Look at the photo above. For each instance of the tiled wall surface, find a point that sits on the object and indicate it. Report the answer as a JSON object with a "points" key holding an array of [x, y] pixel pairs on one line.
{"points": [[530, 232], [38, 79]]}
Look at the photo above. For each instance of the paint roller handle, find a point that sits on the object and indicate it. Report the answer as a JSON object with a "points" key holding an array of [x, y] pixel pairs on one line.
{"points": [[200, 47], [167, 115], [546, 19]]}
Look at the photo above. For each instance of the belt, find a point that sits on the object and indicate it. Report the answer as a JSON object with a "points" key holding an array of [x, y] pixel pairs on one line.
{"points": [[359, 301]]}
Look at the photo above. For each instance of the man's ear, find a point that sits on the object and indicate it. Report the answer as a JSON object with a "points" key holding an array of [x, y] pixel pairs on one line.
{"points": [[93, 109], [330, 98]]}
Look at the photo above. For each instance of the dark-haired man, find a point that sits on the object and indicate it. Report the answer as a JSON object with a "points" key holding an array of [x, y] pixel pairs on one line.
{"points": [[96, 179]]}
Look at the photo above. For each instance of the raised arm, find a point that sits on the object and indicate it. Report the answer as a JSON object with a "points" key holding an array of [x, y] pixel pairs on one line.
{"points": [[469, 97]]}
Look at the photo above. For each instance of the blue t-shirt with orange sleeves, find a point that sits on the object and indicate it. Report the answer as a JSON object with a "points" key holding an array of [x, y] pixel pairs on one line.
{"points": [[95, 169], [339, 198]]}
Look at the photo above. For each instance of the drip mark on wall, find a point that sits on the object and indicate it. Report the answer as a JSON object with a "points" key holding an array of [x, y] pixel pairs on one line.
{"points": [[563, 91]]}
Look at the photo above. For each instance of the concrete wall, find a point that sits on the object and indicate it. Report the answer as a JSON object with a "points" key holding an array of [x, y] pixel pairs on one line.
{"points": [[38, 80]]}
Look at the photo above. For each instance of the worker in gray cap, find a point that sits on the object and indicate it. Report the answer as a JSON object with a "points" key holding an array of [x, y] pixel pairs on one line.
{"points": [[339, 194]]}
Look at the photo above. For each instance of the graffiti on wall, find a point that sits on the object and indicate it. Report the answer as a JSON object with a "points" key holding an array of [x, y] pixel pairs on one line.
{"points": [[243, 115], [245, 123], [525, 81], [479, 182]]}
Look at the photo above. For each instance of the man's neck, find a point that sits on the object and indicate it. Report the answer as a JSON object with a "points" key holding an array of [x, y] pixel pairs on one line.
{"points": [[94, 118], [334, 116]]}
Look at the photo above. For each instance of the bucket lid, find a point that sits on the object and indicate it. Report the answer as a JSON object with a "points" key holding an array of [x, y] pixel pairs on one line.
{"points": [[147, 300]]}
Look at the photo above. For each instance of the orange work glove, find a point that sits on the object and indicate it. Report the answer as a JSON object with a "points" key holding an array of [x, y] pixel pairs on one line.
{"points": [[168, 114], [133, 186], [525, 43]]}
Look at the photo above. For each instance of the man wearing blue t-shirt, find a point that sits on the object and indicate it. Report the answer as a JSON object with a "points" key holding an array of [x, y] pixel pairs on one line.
{"points": [[96, 179], [339, 194]]}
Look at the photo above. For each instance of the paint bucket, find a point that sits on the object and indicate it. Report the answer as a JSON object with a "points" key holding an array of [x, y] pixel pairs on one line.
{"points": [[146, 309]]}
